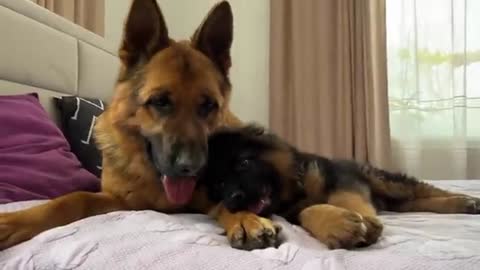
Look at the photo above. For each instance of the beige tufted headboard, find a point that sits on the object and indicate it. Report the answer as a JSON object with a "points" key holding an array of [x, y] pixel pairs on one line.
{"points": [[45, 53]]}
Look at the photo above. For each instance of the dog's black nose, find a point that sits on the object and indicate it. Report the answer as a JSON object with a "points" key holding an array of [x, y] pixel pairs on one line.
{"points": [[235, 201], [187, 159], [185, 170], [237, 196], [186, 167]]}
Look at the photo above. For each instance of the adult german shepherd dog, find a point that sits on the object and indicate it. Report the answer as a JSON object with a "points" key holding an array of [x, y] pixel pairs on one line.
{"points": [[168, 98], [335, 200]]}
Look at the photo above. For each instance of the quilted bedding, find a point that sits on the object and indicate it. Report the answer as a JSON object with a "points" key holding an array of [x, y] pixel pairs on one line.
{"points": [[150, 240]]}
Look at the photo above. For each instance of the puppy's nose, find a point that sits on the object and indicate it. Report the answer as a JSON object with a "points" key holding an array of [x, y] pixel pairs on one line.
{"points": [[236, 198]]}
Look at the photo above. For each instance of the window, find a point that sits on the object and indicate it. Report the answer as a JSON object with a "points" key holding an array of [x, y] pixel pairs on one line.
{"points": [[434, 86]]}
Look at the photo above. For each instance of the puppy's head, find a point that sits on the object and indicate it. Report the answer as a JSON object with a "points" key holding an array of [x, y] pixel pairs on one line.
{"points": [[171, 94], [247, 169]]}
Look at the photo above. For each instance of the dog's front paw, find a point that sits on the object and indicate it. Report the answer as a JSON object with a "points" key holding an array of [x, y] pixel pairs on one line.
{"points": [[14, 229], [249, 231], [374, 230], [334, 226]]}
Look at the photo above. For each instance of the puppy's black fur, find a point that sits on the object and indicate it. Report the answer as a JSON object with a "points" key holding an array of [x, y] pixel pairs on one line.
{"points": [[250, 169]]}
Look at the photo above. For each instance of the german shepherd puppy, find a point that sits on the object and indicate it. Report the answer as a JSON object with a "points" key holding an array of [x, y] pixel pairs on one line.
{"points": [[168, 98], [335, 200]]}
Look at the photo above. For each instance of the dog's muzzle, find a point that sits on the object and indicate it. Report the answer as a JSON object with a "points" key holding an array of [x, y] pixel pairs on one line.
{"points": [[177, 171]]}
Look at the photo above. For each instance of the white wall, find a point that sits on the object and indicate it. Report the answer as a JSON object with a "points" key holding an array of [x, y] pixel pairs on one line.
{"points": [[250, 56]]}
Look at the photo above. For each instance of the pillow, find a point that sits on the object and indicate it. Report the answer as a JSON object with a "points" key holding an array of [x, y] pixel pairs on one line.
{"points": [[36, 161], [78, 116]]}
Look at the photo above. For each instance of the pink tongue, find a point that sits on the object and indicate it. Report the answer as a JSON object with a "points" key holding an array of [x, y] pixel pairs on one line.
{"points": [[179, 190], [259, 206], [256, 208]]}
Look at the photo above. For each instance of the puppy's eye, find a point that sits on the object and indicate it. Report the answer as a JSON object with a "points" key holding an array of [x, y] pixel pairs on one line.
{"points": [[220, 185], [162, 103], [207, 106], [244, 165]]}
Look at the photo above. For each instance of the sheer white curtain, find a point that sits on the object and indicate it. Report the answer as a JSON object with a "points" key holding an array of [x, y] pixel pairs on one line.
{"points": [[434, 87]]}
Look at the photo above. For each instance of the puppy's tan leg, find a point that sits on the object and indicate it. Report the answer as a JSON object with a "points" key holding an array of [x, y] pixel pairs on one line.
{"points": [[361, 204], [444, 205], [246, 230], [334, 226], [16, 227]]}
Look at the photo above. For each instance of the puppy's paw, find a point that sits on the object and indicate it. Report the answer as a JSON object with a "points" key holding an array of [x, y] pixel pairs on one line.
{"points": [[334, 226], [250, 231], [374, 230], [14, 229]]}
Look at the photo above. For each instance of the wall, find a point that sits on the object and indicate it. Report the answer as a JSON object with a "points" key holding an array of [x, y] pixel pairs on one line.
{"points": [[250, 49]]}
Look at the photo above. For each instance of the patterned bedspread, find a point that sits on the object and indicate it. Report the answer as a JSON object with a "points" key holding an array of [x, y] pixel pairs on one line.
{"points": [[150, 240]]}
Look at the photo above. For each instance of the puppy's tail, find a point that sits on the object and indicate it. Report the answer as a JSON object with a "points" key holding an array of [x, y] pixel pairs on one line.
{"points": [[398, 186]]}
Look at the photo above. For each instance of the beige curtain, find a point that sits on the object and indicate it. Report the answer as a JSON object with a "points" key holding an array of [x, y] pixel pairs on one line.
{"points": [[328, 83], [89, 14]]}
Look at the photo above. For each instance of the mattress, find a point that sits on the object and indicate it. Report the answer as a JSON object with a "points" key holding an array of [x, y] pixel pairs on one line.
{"points": [[151, 240]]}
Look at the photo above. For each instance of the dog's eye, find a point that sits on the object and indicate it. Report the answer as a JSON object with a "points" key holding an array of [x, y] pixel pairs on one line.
{"points": [[244, 164], [220, 185], [162, 103], [207, 106]]}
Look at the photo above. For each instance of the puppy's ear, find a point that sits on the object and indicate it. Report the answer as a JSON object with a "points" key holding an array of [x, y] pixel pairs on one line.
{"points": [[253, 130], [145, 33], [215, 35]]}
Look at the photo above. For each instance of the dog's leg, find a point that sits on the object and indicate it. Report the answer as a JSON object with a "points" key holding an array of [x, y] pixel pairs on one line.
{"points": [[16, 227], [443, 205], [360, 203], [428, 198], [408, 194], [246, 230]]}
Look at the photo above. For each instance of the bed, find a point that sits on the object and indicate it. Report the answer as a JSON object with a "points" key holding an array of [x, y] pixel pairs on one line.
{"points": [[66, 63], [151, 240]]}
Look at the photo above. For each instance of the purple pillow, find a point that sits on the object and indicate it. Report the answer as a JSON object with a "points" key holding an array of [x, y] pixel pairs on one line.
{"points": [[35, 158]]}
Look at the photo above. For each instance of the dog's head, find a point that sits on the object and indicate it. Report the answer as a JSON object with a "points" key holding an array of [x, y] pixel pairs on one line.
{"points": [[247, 169], [171, 94]]}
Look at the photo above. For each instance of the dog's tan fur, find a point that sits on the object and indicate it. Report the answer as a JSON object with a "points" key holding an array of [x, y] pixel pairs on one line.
{"points": [[151, 64]]}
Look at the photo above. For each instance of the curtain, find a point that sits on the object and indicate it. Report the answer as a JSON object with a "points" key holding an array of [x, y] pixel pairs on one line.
{"points": [[89, 14], [434, 87], [328, 78]]}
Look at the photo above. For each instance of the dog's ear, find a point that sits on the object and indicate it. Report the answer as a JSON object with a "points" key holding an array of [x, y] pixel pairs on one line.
{"points": [[145, 33], [215, 35]]}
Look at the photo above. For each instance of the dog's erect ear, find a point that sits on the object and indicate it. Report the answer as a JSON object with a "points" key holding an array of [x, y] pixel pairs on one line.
{"points": [[145, 33], [214, 37]]}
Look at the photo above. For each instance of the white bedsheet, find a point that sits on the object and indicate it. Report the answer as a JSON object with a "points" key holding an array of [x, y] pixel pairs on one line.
{"points": [[150, 240]]}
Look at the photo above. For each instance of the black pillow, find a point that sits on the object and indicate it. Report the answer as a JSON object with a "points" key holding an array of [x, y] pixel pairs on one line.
{"points": [[78, 116]]}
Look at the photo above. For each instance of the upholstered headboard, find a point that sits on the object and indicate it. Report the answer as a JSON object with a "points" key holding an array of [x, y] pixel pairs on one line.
{"points": [[45, 53]]}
